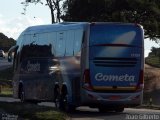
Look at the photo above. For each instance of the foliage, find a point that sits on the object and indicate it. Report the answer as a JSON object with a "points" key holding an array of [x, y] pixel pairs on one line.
{"points": [[54, 6], [154, 57], [153, 61], [5, 42], [155, 51], [145, 12]]}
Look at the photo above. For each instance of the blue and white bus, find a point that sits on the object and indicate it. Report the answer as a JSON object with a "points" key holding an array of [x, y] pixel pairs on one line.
{"points": [[100, 65]]}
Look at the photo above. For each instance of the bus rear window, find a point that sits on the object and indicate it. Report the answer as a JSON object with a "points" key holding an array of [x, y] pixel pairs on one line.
{"points": [[34, 50], [115, 34]]}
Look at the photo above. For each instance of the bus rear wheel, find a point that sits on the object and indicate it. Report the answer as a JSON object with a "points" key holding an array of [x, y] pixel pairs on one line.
{"points": [[120, 109], [65, 106], [102, 109], [61, 100], [57, 97], [22, 99]]}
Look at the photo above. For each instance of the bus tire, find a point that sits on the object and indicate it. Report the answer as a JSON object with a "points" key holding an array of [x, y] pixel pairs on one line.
{"points": [[22, 93], [57, 98], [102, 109], [65, 106], [33, 102], [120, 109]]}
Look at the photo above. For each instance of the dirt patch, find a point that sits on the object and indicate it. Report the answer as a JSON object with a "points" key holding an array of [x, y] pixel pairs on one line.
{"points": [[152, 84], [152, 78]]}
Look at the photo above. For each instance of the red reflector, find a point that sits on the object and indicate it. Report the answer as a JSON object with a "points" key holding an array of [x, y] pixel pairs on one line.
{"points": [[140, 84], [141, 77], [115, 97], [86, 78]]}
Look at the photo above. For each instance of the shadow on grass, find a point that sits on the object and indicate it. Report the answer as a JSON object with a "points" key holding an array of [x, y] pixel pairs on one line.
{"points": [[32, 111], [5, 95]]}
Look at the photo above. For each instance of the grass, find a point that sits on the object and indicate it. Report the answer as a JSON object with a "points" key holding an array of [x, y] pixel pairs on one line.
{"points": [[6, 82], [6, 75], [6, 91], [31, 111]]}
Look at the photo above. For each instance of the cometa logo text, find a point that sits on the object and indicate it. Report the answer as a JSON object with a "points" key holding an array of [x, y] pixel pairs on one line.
{"points": [[121, 78]]}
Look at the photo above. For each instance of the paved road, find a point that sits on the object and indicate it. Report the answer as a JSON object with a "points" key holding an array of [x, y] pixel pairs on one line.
{"points": [[86, 113], [4, 63]]}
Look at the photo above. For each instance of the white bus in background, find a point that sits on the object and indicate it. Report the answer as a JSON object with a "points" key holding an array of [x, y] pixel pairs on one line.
{"points": [[99, 65]]}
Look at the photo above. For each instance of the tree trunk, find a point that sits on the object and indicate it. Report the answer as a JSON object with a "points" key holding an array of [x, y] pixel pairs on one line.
{"points": [[52, 16], [58, 10], [50, 5]]}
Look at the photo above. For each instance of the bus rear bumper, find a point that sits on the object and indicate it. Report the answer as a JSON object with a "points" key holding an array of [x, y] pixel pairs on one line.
{"points": [[94, 99]]}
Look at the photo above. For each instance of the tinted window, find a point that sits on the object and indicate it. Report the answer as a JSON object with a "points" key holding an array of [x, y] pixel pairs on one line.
{"points": [[69, 43], [60, 46], [115, 34], [78, 41], [52, 37], [36, 45]]}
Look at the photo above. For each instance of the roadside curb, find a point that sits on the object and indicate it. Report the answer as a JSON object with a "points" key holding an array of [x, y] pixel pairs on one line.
{"points": [[154, 107]]}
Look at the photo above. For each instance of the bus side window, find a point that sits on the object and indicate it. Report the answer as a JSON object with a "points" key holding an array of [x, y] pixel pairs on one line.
{"points": [[52, 37], [78, 41], [69, 43], [60, 48], [26, 39], [16, 56], [42, 39]]}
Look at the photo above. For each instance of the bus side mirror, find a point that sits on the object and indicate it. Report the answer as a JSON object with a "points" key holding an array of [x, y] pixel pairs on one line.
{"points": [[10, 51], [10, 58]]}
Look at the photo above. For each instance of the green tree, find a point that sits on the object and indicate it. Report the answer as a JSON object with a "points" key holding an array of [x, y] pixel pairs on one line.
{"points": [[154, 51], [158, 54], [144, 12], [54, 6], [5, 42]]}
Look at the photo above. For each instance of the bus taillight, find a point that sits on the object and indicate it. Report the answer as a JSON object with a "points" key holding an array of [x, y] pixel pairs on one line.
{"points": [[140, 84], [86, 78]]}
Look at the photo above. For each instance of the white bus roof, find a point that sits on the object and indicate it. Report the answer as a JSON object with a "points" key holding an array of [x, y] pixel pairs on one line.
{"points": [[54, 27], [62, 27]]}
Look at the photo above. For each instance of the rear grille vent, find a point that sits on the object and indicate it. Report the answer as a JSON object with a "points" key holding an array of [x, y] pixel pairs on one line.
{"points": [[114, 62]]}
